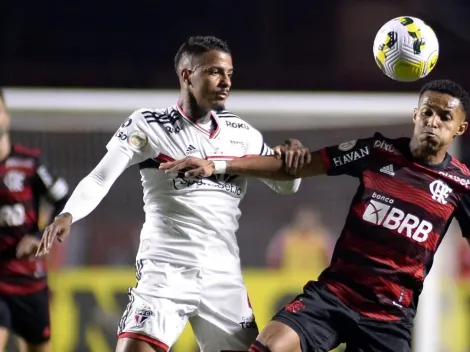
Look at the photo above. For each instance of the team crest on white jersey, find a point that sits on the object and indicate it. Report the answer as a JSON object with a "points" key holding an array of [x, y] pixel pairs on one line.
{"points": [[440, 191]]}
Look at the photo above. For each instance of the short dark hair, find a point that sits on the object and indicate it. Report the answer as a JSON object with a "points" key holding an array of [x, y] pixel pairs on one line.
{"points": [[198, 45], [446, 86]]}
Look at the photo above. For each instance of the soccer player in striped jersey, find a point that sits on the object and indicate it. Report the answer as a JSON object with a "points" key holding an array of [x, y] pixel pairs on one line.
{"points": [[24, 292], [409, 191], [188, 264]]}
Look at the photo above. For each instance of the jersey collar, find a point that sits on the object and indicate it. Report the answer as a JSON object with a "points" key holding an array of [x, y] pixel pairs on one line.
{"points": [[214, 119]]}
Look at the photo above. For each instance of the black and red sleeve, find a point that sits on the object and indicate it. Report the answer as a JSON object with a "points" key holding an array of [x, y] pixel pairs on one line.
{"points": [[462, 215], [348, 158]]}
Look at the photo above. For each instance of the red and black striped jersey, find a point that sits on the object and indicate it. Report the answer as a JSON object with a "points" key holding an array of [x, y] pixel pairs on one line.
{"points": [[24, 181], [397, 219]]}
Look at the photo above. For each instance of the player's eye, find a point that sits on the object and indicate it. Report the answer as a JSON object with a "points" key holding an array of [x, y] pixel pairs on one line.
{"points": [[427, 112]]}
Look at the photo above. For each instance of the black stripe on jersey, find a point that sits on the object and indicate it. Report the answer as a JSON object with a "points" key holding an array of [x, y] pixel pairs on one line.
{"points": [[226, 115], [161, 118], [149, 164]]}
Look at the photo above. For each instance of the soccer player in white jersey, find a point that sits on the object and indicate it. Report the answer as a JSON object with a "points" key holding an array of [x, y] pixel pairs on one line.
{"points": [[188, 265]]}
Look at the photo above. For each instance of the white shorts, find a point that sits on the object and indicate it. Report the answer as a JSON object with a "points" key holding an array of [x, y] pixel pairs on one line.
{"points": [[168, 295]]}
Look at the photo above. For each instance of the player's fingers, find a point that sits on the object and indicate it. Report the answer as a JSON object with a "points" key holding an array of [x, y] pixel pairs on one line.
{"points": [[176, 168], [309, 157], [51, 238], [289, 159], [171, 164], [42, 245], [195, 173], [278, 151]]}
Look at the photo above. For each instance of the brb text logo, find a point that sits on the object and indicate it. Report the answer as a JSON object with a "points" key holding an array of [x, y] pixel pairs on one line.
{"points": [[381, 212]]}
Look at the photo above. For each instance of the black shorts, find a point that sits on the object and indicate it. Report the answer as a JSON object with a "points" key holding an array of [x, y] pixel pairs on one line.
{"points": [[323, 322], [27, 315]]}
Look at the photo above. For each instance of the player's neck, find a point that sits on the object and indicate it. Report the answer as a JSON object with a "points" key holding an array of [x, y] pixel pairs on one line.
{"points": [[193, 111], [427, 155], [5, 146]]}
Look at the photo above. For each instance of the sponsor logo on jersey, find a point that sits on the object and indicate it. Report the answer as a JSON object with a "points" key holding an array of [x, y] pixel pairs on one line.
{"points": [[191, 149], [233, 124], [383, 214], [248, 323], [121, 135], [223, 182], [388, 170], [388, 147], [14, 162], [462, 181], [351, 156], [440, 191], [346, 146]]}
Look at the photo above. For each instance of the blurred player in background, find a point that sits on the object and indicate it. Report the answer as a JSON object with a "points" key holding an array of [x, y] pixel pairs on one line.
{"points": [[301, 246], [410, 190], [188, 265], [24, 294]]}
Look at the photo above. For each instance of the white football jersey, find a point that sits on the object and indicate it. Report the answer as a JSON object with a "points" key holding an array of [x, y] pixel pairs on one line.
{"points": [[190, 221]]}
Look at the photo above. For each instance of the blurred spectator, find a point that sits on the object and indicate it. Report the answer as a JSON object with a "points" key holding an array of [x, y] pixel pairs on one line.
{"points": [[303, 245]]}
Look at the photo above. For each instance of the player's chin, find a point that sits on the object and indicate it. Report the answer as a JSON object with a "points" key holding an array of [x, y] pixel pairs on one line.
{"points": [[218, 105]]}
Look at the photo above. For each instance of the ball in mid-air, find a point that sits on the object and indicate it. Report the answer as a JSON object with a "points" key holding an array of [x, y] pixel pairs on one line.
{"points": [[406, 49]]}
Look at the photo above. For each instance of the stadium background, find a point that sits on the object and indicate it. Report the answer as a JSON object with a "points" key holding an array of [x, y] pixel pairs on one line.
{"points": [[278, 47]]}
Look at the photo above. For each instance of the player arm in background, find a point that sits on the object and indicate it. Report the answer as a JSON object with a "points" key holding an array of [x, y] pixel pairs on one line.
{"points": [[462, 215], [256, 146], [129, 146], [54, 189], [348, 158]]}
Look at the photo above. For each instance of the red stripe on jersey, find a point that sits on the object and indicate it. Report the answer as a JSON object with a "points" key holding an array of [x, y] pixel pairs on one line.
{"points": [[384, 255], [21, 149], [383, 288], [460, 166], [12, 288], [429, 244], [230, 157], [395, 188], [325, 158], [357, 303], [164, 158]]}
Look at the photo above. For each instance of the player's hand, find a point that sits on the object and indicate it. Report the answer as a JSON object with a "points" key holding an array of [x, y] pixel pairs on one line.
{"points": [[191, 166], [295, 155], [27, 247], [58, 230]]}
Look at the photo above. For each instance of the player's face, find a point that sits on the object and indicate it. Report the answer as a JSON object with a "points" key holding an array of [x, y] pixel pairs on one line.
{"points": [[210, 80], [438, 119], [4, 118]]}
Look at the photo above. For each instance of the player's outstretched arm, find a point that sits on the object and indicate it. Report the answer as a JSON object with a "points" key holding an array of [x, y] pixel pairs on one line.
{"points": [[85, 198], [269, 167]]}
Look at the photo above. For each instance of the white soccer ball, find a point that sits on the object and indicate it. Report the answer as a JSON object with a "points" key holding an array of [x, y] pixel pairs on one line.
{"points": [[406, 49]]}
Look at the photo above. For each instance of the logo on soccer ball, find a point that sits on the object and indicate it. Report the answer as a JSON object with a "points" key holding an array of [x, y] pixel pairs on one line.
{"points": [[440, 191]]}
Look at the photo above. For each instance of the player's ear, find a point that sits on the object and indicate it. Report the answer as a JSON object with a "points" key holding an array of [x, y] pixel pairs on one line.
{"points": [[415, 115], [186, 76], [462, 128]]}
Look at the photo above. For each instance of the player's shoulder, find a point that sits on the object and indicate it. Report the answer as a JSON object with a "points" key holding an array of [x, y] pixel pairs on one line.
{"points": [[386, 144], [158, 116], [232, 121], [457, 171]]}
